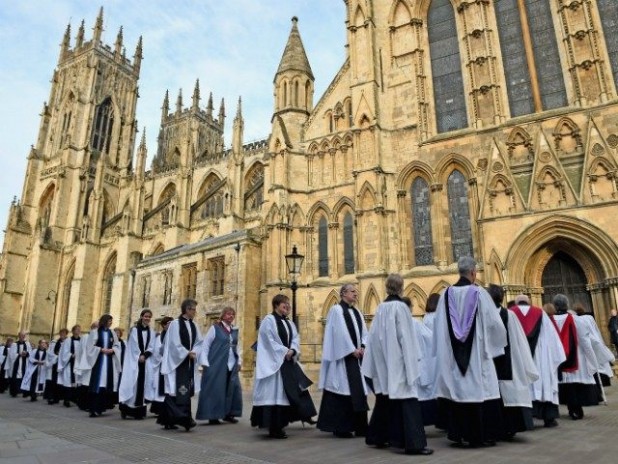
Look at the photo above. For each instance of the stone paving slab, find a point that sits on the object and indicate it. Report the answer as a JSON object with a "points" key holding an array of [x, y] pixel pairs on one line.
{"points": [[42, 434]]}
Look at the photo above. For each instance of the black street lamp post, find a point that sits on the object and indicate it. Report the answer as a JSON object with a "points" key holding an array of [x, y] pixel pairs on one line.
{"points": [[294, 262]]}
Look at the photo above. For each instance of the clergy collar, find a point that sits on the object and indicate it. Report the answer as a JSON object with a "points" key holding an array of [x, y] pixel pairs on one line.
{"points": [[345, 305], [462, 282], [182, 316], [393, 298], [279, 316]]}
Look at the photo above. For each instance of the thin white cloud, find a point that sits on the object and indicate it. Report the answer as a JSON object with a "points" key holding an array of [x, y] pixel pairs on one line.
{"points": [[232, 46]]}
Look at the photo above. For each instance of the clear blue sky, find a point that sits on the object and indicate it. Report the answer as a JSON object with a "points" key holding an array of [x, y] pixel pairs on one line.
{"points": [[232, 46]]}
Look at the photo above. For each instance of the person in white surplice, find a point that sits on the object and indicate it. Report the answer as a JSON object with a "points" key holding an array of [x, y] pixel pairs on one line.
{"points": [[344, 400], [140, 347], [69, 377], [182, 345], [548, 354], [468, 335], [280, 394], [33, 381], [516, 372], [392, 362]]}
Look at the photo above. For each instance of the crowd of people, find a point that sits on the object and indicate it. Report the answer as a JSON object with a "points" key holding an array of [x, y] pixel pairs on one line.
{"points": [[477, 370]]}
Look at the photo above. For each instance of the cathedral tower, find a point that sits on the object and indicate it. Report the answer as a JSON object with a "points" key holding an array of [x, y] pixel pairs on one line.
{"points": [[82, 156]]}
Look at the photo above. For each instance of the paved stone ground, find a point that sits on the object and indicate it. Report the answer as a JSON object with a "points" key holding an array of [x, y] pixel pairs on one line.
{"points": [[36, 433]]}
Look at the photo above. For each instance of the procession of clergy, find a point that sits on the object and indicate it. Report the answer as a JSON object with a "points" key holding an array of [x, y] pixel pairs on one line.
{"points": [[471, 367]]}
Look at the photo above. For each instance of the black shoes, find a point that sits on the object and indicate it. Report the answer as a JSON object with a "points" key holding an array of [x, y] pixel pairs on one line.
{"points": [[67, 404], [422, 451], [230, 419], [551, 423], [343, 434], [279, 434], [214, 422], [171, 427]]}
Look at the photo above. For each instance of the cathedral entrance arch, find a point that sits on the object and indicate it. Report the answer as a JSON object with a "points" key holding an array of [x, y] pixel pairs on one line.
{"points": [[563, 254], [563, 274]]}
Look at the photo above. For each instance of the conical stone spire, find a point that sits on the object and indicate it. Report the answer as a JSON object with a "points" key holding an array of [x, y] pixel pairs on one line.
{"points": [[294, 57]]}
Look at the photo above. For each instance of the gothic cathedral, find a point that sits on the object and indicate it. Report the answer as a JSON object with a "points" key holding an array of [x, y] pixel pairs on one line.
{"points": [[452, 128]]}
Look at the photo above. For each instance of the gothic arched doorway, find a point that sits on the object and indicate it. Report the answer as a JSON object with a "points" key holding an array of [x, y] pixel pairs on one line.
{"points": [[563, 274]]}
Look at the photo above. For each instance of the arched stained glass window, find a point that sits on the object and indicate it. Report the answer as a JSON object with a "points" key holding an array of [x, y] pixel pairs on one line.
{"points": [[348, 244], [323, 247], [517, 74], [103, 124], [459, 214], [421, 222], [448, 88], [608, 10], [254, 188], [546, 55]]}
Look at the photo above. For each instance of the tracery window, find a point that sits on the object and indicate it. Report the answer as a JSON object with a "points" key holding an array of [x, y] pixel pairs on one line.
{"points": [[459, 214], [103, 124], [217, 275], [608, 11], [145, 291], [421, 222], [323, 247], [348, 244], [254, 192], [517, 74], [189, 280], [167, 287], [213, 206], [448, 88], [540, 48], [108, 284]]}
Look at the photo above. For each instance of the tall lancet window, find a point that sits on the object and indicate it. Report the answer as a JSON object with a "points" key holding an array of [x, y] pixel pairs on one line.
{"points": [[459, 214], [517, 74], [323, 247], [532, 65], [608, 10], [448, 88], [103, 124], [108, 284], [348, 244], [421, 222]]}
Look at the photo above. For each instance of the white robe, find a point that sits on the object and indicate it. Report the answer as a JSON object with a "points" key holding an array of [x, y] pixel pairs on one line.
{"points": [[64, 363], [128, 383], [14, 358], [52, 358], [426, 386], [393, 353], [89, 355], [337, 345], [429, 319], [548, 355], [153, 369], [516, 392], [480, 382], [602, 353], [34, 368], [268, 386], [174, 353], [586, 359]]}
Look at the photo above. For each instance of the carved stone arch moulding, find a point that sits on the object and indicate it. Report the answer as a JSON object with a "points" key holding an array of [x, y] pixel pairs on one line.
{"points": [[519, 144], [523, 261]]}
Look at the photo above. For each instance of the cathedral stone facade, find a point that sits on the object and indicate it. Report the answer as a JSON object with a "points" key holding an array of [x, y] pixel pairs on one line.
{"points": [[452, 128]]}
